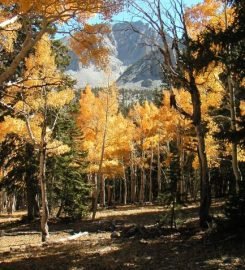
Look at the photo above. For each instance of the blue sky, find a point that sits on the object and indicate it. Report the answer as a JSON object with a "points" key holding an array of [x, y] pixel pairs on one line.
{"points": [[126, 16]]}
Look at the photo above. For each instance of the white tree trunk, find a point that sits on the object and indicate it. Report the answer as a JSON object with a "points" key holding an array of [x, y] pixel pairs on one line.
{"points": [[133, 179], [125, 195], [159, 182], [150, 183]]}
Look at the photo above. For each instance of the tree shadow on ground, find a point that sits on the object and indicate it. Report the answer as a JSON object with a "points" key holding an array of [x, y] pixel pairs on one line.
{"points": [[186, 248], [173, 251], [103, 223]]}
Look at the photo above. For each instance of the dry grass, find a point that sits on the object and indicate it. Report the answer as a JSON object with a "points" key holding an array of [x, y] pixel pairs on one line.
{"points": [[6, 218], [129, 211]]}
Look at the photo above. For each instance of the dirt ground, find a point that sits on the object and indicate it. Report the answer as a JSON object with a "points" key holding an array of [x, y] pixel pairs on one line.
{"points": [[186, 247]]}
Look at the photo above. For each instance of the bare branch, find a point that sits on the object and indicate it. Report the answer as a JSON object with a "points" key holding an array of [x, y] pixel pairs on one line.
{"points": [[9, 21]]}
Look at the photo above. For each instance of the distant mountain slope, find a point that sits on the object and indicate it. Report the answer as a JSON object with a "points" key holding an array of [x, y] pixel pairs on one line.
{"points": [[130, 44], [144, 73], [133, 65]]}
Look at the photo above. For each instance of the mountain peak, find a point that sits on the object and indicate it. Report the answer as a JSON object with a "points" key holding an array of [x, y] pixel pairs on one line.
{"points": [[132, 62]]}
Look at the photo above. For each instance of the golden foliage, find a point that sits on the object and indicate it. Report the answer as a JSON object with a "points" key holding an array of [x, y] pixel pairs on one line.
{"points": [[38, 93], [40, 67], [8, 36], [88, 45], [65, 9], [102, 126], [11, 125], [56, 147], [207, 13], [242, 107], [59, 99], [145, 118]]}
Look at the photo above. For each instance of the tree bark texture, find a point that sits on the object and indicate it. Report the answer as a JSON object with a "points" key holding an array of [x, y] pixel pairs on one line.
{"points": [[159, 182], [133, 180], [150, 180], [102, 191], [205, 196], [235, 166], [94, 195], [142, 174], [125, 194], [43, 184]]}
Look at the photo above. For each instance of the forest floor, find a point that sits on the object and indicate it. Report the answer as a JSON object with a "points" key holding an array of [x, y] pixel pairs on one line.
{"points": [[138, 242]]}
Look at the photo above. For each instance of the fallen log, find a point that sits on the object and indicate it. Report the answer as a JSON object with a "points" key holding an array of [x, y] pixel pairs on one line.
{"points": [[17, 233], [3, 233]]}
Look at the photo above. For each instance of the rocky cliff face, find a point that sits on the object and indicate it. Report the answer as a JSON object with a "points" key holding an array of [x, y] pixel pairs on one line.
{"points": [[134, 64]]}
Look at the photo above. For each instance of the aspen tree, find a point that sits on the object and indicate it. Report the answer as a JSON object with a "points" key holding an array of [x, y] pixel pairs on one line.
{"points": [[40, 95]]}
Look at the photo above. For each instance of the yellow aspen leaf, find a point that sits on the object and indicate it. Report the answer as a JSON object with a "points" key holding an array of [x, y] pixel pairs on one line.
{"points": [[58, 99]]}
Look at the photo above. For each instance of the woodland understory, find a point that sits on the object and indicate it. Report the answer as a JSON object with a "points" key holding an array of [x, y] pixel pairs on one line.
{"points": [[127, 237]]}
